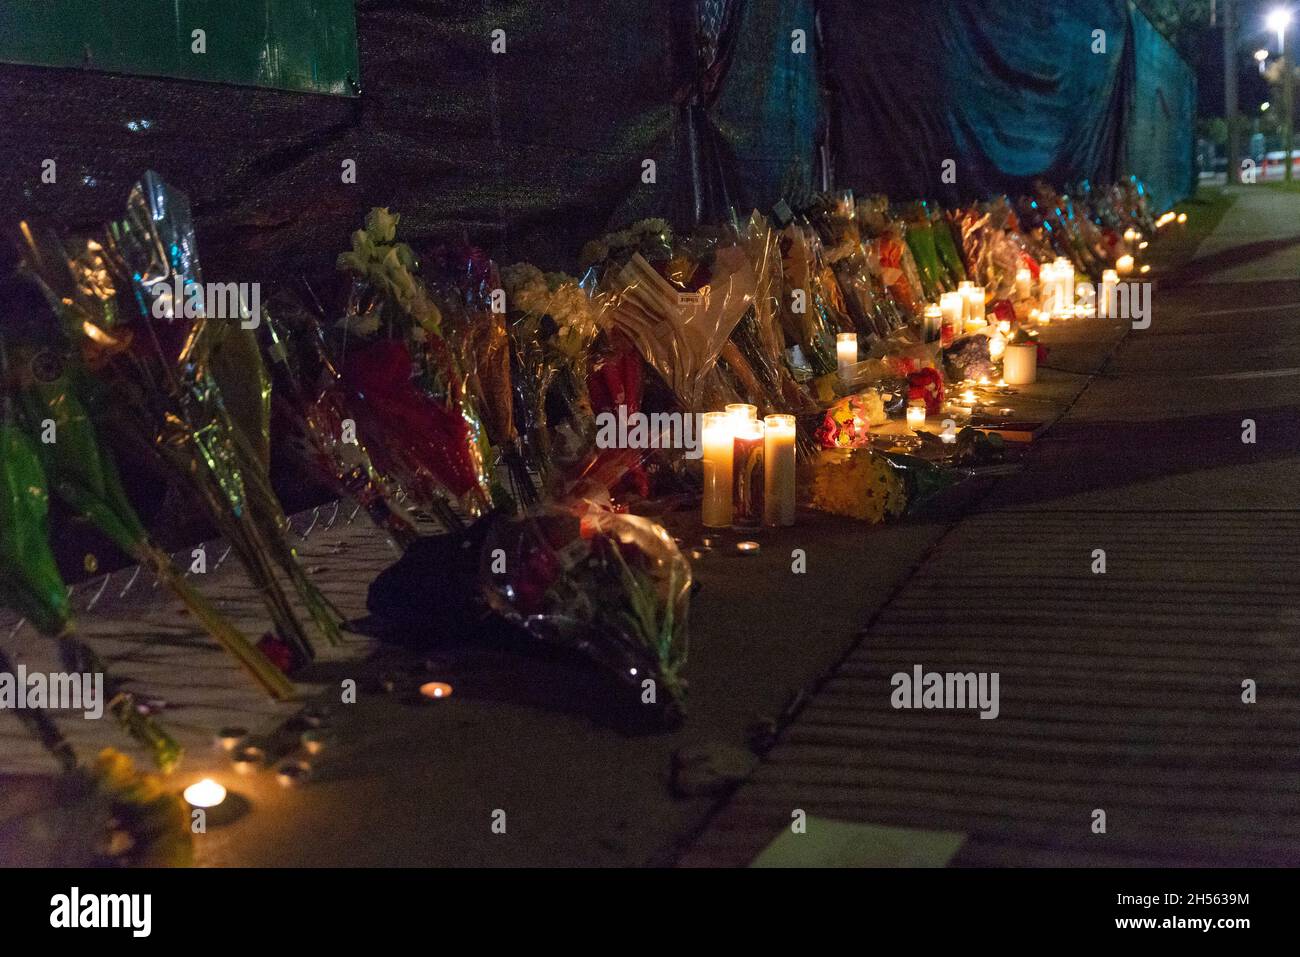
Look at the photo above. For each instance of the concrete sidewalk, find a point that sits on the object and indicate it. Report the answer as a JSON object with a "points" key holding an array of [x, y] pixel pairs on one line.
{"points": [[1121, 691]]}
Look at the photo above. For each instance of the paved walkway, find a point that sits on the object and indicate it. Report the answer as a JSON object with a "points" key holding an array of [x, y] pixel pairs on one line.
{"points": [[1119, 691]]}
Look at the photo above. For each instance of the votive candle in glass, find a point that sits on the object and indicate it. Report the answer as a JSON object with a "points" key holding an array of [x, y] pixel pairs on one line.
{"points": [[846, 350], [1023, 280], [933, 322], [952, 305], [747, 477], [974, 307], [1106, 298], [778, 469], [718, 431], [916, 414], [742, 410]]}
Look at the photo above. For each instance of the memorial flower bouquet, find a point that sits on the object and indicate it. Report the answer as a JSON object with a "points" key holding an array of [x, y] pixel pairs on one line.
{"points": [[612, 586]]}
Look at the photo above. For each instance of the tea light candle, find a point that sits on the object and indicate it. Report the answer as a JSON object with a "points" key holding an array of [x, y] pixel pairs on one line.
{"points": [[435, 690], [742, 410], [1020, 363], [293, 773], [1023, 280], [748, 548], [747, 477], [313, 741], [230, 738], [248, 759], [1124, 265], [916, 414], [846, 350], [205, 793], [778, 469], [1131, 236], [716, 510]]}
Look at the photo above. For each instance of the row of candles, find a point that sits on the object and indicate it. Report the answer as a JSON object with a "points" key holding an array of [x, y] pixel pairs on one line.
{"points": [[749, 468]]}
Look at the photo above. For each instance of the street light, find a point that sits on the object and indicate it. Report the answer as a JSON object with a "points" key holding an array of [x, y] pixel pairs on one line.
{"points": [[1261, 57], [1277, 21]]}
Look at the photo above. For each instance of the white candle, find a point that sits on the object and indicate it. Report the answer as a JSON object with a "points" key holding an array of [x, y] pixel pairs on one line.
{"points": [[974, 307], [205, 793], [952, 305], [846, 350], [963, 289], [778, 469], [1124, 265], [743, 411], [1023, 280], [1106, 301], [1020, 363], [718, 429], [916, 414], [1065, 282]]}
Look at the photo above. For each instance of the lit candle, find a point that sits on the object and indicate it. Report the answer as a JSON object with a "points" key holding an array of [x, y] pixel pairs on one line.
{"points": [[1182, 219], [952, 305], [1051, 289], [742, 410], [747, 476], [997, 345], [293, 773], [247, 759], [435, 690], [916, 414], [1145, 269], [1065, 278], [1124, 265], [846, 350], [205, 793], [1020, 363], [230, 738], [1106, 301], [974, 307], [933, 322], [778, 469], [717, 469], [748, 548], [1023, 279], [1131, 236], [313, 741]]}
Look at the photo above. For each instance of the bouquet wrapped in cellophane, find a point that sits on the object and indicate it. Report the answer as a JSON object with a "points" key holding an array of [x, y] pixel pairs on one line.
{"points": [[404, 386], [554, 322], [309, 390], [612, 586], [154, 378], [171, 384]]}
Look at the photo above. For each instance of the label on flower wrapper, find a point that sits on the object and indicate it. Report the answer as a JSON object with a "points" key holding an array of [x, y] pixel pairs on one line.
{"points": [[692, 300]]}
